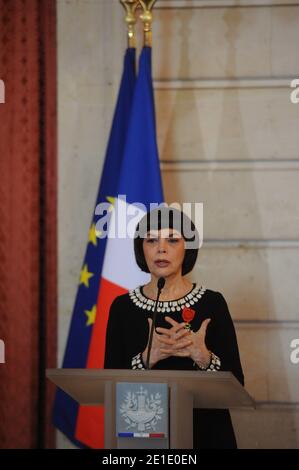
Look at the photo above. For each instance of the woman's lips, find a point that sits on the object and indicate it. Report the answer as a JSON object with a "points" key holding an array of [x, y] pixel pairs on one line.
{"points": [[162, 264]]}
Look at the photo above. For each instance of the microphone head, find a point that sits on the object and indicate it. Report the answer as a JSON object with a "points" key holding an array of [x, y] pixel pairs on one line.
{"points": [[161, 283]]}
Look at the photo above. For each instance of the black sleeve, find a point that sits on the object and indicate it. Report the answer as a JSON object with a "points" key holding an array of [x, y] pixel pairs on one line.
{"points": [[223, 341], [115, 352]]}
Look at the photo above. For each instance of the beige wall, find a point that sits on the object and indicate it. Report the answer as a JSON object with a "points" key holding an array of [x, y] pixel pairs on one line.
{"points": [[228, 136]]}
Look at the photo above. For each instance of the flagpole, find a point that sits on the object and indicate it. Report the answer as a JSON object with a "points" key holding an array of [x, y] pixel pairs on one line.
{"points": [[147, 19], [130, 7]]}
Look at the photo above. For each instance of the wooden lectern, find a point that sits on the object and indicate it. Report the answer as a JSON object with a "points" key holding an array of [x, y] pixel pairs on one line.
{"points": [[187, 390]]}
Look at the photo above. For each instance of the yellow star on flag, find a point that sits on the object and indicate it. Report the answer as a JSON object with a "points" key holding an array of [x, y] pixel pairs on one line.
{"points": [[85, 276], [91, 315], [111, 200], [92, 236]]}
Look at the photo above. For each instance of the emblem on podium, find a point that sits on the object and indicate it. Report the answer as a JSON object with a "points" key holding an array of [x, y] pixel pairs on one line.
{"points": [[142, 410]]}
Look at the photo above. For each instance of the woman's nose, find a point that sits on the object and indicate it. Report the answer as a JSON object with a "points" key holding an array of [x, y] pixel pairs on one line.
{"points": [[161, 245]]}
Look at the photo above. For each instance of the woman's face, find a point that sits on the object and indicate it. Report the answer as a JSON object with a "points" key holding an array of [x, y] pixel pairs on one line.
{"points": [[164, 252]]}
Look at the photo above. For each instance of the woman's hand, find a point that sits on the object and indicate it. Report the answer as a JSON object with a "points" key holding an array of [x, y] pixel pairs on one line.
{"points": [[196, 350], [166, 344]]}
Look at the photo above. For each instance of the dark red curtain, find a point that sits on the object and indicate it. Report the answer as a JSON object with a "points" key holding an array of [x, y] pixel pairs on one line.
{"points": [[27, 220]]}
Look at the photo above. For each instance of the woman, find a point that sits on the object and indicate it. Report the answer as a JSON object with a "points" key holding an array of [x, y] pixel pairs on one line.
{"points": [[194, 329]]}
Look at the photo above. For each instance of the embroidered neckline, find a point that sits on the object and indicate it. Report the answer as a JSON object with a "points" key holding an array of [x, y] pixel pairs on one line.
{"points": [[173, 300], [146, 303]]}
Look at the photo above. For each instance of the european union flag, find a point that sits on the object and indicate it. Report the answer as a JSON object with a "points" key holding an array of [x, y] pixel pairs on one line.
{"points": [[84, 313]]}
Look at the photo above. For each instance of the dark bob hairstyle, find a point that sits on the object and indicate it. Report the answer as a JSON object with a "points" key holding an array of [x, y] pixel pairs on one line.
{"points": [[167, 217]]}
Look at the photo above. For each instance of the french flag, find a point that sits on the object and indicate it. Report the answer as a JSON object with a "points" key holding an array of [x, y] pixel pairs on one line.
{"points": [[138, 182]]}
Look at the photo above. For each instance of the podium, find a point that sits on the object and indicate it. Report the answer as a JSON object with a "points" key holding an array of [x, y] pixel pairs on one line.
{"points": [[187, 390]]}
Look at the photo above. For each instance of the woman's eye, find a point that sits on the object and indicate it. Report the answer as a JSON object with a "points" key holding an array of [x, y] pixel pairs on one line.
{"points": [[150, 240], [173, 240]]}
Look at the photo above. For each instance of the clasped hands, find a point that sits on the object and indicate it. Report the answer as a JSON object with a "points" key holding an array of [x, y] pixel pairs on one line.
{"points": [[180, 342]]}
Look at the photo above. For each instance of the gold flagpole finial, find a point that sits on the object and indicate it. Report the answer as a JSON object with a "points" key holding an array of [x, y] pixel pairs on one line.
{"points": [[130, 7], [147, 19]]}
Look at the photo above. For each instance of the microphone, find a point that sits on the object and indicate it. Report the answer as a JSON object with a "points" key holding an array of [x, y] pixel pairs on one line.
{"points": [[160, 285]]}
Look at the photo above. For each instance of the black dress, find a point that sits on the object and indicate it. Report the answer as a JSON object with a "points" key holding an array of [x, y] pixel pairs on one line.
{"points": [[127, 335]]}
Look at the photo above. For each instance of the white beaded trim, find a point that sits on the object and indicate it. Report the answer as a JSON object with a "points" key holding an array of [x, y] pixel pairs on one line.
{"points": [[137, 362], [167, 306], [214, 365]]}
